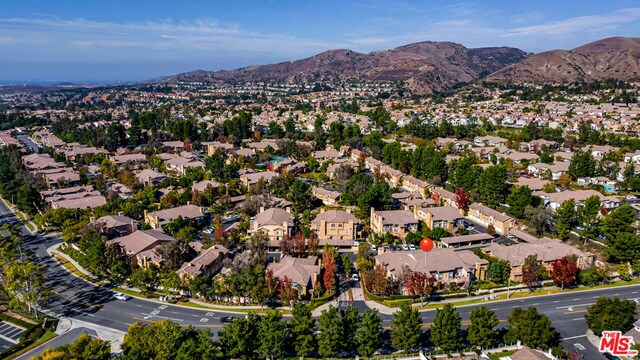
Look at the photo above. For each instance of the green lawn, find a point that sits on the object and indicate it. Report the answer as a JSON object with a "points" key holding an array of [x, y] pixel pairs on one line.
{"points": [[48, 335], [502, 354]]}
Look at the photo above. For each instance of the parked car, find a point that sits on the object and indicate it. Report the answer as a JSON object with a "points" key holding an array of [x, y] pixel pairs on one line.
{"points": [[122, 297], [469, 226], [374, 248], [405, 247], [412, 247], [355, 277]]}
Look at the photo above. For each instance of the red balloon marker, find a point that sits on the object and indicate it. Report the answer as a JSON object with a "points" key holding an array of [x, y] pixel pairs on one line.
{"points": [[426, 244]]}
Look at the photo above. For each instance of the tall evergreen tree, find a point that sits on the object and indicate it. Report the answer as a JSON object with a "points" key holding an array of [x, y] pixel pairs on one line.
{"points": [[445, 331], [303, 326], [330, 333], [369, 333], [481, 332], [406, 329]]}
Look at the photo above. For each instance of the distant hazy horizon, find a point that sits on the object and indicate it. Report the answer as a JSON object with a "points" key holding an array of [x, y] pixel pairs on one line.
{"points": [[112, 41]]}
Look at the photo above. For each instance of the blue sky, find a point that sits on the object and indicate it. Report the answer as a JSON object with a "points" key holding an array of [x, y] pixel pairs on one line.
{"points": [[116, 40]]}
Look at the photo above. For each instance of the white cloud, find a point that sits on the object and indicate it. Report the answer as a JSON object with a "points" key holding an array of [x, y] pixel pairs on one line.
{"points": [[200, 35]]}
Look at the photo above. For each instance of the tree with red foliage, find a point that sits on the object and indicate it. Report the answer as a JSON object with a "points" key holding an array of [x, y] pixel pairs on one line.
{"points": [[220, 236], [286, 245], [379, 283], [564, 271], [462, 199], [329, 277], [529, 275], [270, 281], [288, 294], [299, 244], [187, 144], [419, 284]]}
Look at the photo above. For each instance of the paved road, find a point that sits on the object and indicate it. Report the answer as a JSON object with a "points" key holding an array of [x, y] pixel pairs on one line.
{"points": [[28, 143], [78, 299]]}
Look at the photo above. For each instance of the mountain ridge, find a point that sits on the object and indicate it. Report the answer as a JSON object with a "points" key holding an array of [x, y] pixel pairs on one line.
{"points": [[425, 66], [432, 66]]}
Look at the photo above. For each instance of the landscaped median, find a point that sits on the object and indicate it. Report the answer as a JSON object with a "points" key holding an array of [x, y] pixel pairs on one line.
{"points": [[461, 299]]}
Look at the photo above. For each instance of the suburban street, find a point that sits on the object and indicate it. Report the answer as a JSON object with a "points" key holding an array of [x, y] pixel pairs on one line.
{"points": [[77, 299]]}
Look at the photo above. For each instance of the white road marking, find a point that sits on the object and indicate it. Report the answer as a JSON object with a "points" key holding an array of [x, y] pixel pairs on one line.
{"points": [[574, 337], [204, 320], [572, 306], [578, 319], [556, 301]]}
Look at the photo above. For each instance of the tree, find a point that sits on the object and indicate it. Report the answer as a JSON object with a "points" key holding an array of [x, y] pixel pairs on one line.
{"points": [[445, 331], [549, 187], [498, 271], [582, 165], [347, 264], [377, 277], [619, 221], [564, 215], [330, 333], [419, 284], [84, 347], [299, 195], [518, 200], [564, 271], [588, 216], [462, 199], [328, 279], [303, 326], [238, 339], [482, 322], [611, 314], [288, 294], [539, 217], [530, 273], [25, 283], [492, 185], [272, 335], [406, 328], [465, 173], [623, 248], [369, 333], [350, 319], [564, 181], [530, 327], [166, 340]]}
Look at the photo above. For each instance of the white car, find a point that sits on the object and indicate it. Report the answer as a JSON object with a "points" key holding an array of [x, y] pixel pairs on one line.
{"points": [[354, 277], [122, 297]]}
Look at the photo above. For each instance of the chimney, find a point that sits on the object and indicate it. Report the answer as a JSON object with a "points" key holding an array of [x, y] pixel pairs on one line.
{"points": [[348, 210], [288, 209], [261, 209], [120, 213], [134, 225], [92, 219]]}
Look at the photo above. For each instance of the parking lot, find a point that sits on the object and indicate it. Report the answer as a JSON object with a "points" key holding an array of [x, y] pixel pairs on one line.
{"points": [[9, 334]]}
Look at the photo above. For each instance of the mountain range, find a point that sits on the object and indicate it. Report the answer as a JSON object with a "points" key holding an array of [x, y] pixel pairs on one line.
{"points": [[431, 66]]}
